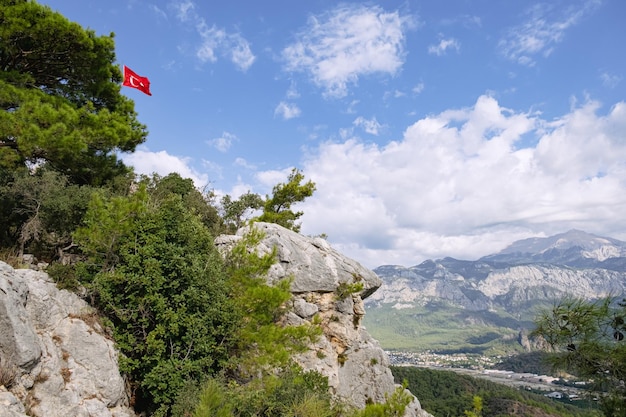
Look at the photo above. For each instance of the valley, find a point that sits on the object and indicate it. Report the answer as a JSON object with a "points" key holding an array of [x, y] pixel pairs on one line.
{"points": [[487, 307]]}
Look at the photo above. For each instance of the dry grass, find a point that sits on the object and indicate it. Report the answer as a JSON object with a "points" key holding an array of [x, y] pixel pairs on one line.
{"points": [[42, 377], [11, 257], [91, 318], [8, 375]]}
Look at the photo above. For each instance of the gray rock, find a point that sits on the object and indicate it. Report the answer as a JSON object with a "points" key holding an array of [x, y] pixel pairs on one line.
{"points": [[312, 262], [304, 309], [18, 341], [66, 366], [356, 366]]}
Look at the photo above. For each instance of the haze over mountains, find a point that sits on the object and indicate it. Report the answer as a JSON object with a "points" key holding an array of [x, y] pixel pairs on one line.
{"points": [[451, 303]]}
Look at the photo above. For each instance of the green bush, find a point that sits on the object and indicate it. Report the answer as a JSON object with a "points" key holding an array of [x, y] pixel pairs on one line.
{"points": [[162, 285], [64, 276], [262, 344], [394, 406], [289, 393]]}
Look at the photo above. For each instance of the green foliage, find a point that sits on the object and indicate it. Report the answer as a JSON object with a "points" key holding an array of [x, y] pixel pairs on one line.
{"points": [[40, 210], [345, 289], [445, 393], [108, 223], [588, 338], [394, 405], [533, 362], [235, 212], [290, 393], [477, 407], [277, 208], [64, 276], [443, 328], [60, 96], [198, 203], [262, 344], [162, 285]]}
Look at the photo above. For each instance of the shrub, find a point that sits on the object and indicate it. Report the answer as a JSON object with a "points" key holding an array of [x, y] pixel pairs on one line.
{"points": [[162, 285], [344, 289], [292, 392]]}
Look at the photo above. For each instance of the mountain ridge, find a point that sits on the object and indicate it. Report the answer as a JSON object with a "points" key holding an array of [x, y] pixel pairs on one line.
{"points": [[502, 292]]}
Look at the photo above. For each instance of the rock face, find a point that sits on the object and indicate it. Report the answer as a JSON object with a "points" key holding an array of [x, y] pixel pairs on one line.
{"points": [[356, 366], [54, 359]]}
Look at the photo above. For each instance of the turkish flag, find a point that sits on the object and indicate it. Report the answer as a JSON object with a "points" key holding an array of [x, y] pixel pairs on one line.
{"points": [[131, 79]]}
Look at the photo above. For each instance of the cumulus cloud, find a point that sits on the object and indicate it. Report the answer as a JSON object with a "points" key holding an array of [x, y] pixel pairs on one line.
{"points": [[148, 162], [466, 183], [544, 28], [215, 41], [443, 46], [338, 47], [224, 142], [370, 126], [287, 110], [268, 179]]}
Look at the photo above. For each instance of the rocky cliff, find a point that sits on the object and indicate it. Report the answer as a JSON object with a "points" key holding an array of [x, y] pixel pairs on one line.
{"points": [[356, 366], [55, 360]]}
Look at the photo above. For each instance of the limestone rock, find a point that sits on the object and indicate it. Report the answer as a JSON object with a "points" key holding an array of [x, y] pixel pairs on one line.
{"points": [[356, 366], [64, 364], [314, 265]]}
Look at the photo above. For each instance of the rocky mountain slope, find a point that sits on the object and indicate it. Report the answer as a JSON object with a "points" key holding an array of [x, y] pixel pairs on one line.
{"points": [[498, 294], [356, 366], [56, 360]]}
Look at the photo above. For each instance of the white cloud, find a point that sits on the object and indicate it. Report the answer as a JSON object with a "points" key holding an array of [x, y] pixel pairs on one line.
{"points": [[184, 10], [240, 51], [292, 92], [268, 179], [224, 142], [464, 183], [418, 88], [241, 162], [610, 80], [287, 110], [370, 126], [349, 41], [442, 47], [352, 107], [545, 27], [215, 41], [147, 162]]}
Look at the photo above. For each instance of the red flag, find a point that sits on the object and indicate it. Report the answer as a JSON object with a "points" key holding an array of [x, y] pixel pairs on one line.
{"points": [[131, 79]]}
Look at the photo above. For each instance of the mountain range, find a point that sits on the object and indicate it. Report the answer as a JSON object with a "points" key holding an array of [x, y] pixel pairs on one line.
{"points": [[485, 305]]}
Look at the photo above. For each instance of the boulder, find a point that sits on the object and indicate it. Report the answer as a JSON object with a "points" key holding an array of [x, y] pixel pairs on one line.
{"points": [[61, 362], [329, 288]]}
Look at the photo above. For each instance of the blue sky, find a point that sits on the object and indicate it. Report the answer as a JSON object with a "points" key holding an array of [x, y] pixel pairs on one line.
{"points": [[447, 128]]}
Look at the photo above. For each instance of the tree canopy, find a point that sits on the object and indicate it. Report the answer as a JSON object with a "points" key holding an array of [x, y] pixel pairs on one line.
{"points": [[588, 340], [277, 208], [60, 96]]}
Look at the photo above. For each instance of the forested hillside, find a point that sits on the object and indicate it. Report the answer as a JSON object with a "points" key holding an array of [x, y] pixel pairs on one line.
{"points": [[445, 393]]}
